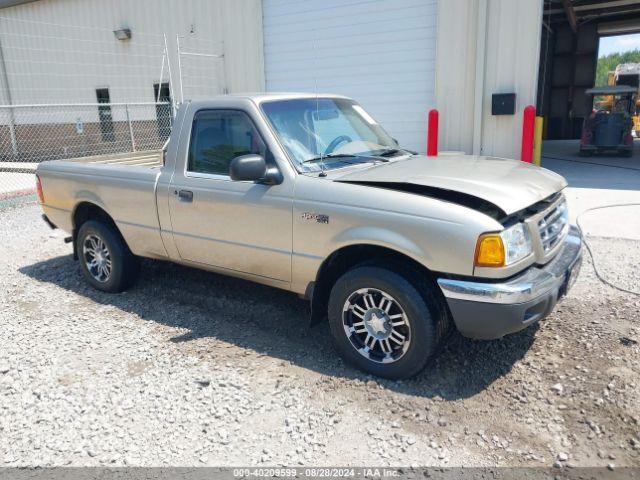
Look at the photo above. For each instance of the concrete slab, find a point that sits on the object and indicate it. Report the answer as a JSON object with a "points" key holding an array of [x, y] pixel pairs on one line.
{"points": [[568, 150], [607, 182], [595, 176], [18, 166], [15, 184]]}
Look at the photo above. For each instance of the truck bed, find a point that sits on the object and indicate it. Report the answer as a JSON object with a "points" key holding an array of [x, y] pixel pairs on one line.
{"points": [[123, 184], [142, 166]]}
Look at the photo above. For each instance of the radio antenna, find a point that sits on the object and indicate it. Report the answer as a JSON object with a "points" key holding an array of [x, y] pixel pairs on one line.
{"points": [[315, 61]]}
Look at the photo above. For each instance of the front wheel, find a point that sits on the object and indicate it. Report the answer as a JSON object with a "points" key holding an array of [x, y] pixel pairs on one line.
{"points": [[105, 260], [382, 324]]}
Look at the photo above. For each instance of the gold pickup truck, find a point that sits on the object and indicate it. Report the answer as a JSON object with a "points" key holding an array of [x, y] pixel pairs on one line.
{"points": [[310, 194]]}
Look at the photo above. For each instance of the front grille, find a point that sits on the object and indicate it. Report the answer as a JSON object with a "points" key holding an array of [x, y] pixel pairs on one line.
{"points": [[553, 226]]}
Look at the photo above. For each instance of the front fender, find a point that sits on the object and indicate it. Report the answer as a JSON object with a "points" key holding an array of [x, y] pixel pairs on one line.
{"points": [[380, 237]]}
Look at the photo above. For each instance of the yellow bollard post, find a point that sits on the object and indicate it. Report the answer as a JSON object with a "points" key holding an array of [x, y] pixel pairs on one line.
{"points": [[537, 141]]}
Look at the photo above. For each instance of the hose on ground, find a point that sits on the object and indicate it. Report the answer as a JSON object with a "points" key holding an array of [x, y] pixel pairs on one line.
{"points": [[588, 247]]}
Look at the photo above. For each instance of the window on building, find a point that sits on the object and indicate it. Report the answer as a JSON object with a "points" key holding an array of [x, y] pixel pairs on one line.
{"points": [[217, 137], [104, 115], [162, 95]]}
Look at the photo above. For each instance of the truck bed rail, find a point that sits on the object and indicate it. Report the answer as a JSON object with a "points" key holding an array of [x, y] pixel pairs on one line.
{"points": [[149, 158]]}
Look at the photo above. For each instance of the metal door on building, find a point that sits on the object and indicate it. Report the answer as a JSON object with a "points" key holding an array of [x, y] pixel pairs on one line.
{"points": [[105, 116], [382, 54], [162, 95]]}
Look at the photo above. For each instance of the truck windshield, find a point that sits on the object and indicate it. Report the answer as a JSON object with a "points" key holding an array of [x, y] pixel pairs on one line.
{"points": [[327, 132]]}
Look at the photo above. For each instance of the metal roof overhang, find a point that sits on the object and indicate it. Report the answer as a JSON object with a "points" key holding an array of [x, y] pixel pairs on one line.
{"points": [[13, 3], [581, 11]]}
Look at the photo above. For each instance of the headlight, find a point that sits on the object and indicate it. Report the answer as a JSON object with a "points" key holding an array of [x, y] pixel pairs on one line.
{"points": [[504, 248]]}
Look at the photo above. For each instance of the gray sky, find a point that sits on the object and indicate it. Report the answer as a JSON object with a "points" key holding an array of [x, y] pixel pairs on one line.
{"points": [[622, 43]]}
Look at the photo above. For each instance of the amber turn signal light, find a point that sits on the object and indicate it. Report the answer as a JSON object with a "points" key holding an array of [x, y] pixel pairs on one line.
{"points": [[490, 251]]}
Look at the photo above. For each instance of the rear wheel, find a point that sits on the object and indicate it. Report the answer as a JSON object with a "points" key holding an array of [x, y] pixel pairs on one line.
{"points": [[626, 153], [105, 260], [382, 324]]}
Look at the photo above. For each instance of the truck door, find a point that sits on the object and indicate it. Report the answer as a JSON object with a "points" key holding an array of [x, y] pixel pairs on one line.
{"points": [[240, 226]]}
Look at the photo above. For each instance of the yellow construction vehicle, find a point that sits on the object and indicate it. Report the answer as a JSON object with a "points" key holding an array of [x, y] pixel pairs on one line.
{"points": [[610, 129], [625, 74]]}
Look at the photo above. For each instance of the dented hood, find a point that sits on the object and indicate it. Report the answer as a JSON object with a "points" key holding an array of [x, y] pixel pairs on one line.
{"points": [[510, 185]]}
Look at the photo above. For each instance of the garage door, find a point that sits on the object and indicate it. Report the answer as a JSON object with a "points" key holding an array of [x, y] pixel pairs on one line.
{"points": [[380, 52]]}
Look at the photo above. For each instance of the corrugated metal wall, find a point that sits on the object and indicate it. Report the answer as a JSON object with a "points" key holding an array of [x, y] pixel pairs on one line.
{"points": [[62, 50], [513, 53], [510, 65], [379, 52], [456, 67]]}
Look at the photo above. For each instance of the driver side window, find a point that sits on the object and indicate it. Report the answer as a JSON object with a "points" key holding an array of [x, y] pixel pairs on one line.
{"points": [[217, 137]]}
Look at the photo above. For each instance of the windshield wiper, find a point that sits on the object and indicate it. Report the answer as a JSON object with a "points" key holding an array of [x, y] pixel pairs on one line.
{"points": [[330, 155], [340, 158], [390, 152]]}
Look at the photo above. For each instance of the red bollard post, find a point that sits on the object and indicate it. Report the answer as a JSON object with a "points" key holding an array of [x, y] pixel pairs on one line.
{"points": [[432, 134], [528, 133]]}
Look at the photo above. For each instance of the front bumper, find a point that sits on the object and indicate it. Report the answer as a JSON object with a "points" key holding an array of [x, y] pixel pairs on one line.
{"points": [[491, 310]]}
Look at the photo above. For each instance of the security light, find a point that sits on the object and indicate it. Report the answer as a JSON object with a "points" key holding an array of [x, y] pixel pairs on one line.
{"points": [[122, 33]]}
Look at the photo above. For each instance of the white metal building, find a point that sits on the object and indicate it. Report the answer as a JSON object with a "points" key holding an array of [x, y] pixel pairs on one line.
{"points": [[81, 77], [398, 58], [402, 58], [59, 51]]}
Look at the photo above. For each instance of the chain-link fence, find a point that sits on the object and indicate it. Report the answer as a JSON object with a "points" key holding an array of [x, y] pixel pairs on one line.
{"points": [[33, 133], [73, 90], [76, 90], [30, 134]]}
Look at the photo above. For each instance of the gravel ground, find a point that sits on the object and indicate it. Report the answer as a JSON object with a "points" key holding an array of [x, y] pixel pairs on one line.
{"points": [[183, 371]]}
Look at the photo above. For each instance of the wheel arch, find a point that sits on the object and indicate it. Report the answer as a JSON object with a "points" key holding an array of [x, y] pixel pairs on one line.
{"points": [[350, 256], [85, 211]]}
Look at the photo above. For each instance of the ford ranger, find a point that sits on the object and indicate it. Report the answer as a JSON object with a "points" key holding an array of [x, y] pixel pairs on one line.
{"points": [[308, 193]]}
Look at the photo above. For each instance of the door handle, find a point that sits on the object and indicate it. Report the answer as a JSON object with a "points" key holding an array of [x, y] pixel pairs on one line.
{"points": [[185, 196]]}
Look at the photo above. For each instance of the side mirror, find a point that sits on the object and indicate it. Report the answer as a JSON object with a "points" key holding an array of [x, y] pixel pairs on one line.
{"points": [[248, 168], [253, 168]]}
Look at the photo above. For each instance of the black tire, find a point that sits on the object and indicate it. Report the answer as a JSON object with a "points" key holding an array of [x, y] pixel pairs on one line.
{"points": [[425, 314], [586, 153], [124, 265], [626, 153]]}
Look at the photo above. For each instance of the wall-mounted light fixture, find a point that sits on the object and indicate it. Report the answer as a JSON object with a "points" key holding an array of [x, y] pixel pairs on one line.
{"points": [[122, 33]]}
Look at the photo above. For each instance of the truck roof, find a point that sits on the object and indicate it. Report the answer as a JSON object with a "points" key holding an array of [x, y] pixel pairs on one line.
{"points": [[259, 97]]}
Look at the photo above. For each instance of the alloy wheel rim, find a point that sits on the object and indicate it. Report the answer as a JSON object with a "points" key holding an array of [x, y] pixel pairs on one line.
{"points": [[97, 258], [376, 325]]}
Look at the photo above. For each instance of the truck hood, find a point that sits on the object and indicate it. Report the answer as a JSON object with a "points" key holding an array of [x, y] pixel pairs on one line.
{"points": [[509, 185]]}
